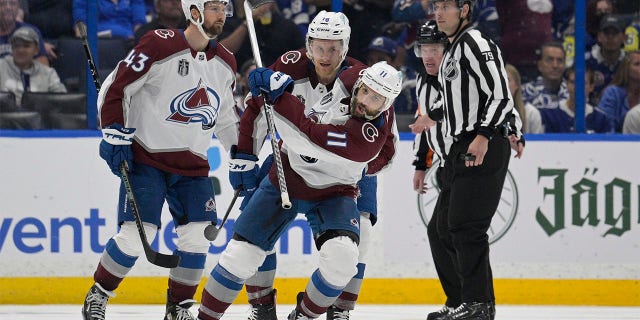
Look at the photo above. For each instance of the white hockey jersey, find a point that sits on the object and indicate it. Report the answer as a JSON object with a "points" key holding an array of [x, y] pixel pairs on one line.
{"points": [[175, 98]]}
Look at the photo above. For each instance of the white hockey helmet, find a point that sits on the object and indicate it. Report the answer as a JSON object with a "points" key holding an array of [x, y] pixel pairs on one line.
{"points": [[199, 4], [384, 80], [330, 26]]}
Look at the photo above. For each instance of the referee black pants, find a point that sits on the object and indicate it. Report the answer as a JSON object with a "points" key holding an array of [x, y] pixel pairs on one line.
{"points": [[458, 228]]}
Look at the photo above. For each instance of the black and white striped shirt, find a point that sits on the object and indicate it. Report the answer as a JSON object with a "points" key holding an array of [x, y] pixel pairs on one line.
{"points": [[475, 90], [427, 92]]}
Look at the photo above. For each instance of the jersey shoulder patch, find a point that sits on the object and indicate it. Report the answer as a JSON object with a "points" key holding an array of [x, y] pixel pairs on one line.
{"points": [[294, 63]]}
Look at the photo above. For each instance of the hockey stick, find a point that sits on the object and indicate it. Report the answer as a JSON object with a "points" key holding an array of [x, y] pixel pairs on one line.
{"points": [[155, 257], [268, 109], [211, 232], [82, 28]]}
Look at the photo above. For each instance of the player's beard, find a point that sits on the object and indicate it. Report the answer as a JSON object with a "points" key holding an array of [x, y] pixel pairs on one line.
{"points": [[214, 30], [358, 110]]}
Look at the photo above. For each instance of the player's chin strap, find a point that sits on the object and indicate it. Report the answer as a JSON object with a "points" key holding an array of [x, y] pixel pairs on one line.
{"points": [[459, 24], [199, 24], [201, 29]]}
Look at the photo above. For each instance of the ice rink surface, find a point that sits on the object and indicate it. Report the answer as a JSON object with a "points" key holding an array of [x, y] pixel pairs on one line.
{"points": [[362, 312]]}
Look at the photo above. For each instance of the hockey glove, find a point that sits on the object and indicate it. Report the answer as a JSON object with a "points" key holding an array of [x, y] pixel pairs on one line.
{"points": [[243, 172], [115, 147], [272, 84], [262, 173]]}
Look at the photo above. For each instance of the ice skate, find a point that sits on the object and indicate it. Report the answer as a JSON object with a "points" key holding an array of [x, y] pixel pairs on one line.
{"points": [[265, 311], [95, 303], [335, 313], [440, 314], [180, 310], [295, 314], [471, 311]]}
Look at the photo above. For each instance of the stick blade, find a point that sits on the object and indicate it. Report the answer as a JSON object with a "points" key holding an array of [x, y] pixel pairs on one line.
{"points": [[161, 260], [211, 232], [256, 3]]}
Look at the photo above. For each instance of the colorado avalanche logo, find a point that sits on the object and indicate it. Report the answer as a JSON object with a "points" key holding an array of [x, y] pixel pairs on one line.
{"points": [[291, 57], [196, 105], [369, 132], [451, 72], [316, 116], [164, 33]]}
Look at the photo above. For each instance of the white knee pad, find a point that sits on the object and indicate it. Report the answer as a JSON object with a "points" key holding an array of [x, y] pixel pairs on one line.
{"points": [[242, 258], [365, 238], [191, 237], [128, 238], [338, 260]]}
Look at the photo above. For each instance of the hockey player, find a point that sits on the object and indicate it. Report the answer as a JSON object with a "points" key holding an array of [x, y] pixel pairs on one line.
{"points": [[324, 156], [320, 68], [158, 111]]}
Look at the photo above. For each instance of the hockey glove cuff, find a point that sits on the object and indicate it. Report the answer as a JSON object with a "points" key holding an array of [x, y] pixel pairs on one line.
{"points": [[115, 147], [243, 171]]}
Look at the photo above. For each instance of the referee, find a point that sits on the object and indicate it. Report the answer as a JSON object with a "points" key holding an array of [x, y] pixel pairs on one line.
{"points": [[477, 106]]}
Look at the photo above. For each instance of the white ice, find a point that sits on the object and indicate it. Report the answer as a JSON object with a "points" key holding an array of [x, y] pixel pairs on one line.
{"points": [[362, 312]]}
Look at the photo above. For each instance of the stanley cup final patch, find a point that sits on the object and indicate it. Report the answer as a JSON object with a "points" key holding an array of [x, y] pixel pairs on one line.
{"points": [[183, 67]]}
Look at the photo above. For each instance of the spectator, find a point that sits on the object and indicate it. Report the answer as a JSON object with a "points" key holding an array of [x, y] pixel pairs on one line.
{"points": [[632, 121], [169, 15], [275, 34], [116, 19], [549, 88], [299, 11], [486, 19], [20, 72], [53, 18], [605, 56], [596, 10], [530, 115], [385, 49], [407, 17], [381, 49], [9, 10], [562, 18], [367, 19], [623, 92], [517, 18], [562, 119], [242, 84]]}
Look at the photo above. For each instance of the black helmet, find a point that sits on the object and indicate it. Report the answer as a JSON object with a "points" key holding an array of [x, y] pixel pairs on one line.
{"points": [[429, 34]]}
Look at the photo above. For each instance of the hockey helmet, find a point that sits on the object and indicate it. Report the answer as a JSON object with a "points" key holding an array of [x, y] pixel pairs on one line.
{"points": [[199, 4], [330, 26], [384, 80], [429, 34]]}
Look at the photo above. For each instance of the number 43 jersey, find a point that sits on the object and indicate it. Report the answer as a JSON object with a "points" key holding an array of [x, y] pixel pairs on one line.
{"points": [[175, 98]]}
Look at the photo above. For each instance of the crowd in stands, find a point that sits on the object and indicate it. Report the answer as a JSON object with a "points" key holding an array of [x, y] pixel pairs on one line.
{"points": [[540, 67]]}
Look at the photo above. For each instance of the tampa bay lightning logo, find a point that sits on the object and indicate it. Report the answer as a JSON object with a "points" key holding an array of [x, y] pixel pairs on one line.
{"points": [[451, 71], [200, 104]]}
